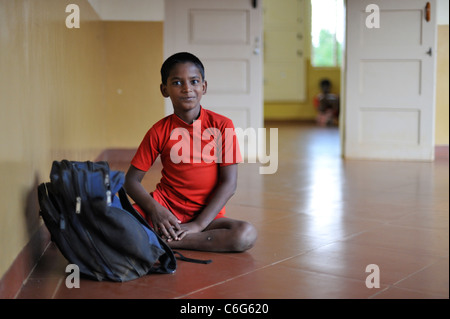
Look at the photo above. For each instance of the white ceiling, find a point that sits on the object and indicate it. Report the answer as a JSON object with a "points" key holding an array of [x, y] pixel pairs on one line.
{"points": [[129, 10]]}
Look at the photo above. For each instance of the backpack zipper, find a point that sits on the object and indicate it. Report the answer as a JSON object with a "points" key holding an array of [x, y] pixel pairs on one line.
{"points": [[78, 205], [108, 190]]}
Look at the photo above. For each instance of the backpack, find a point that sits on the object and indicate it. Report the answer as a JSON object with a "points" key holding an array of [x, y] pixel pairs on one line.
{"points": [[94, 225]]}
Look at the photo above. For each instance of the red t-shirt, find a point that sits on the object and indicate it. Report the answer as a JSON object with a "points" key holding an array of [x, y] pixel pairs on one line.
{"points": [[191, 155]]}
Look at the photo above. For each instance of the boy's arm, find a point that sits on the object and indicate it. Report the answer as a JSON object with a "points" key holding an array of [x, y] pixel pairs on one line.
{"points": [[164, 222], [224, 191]]}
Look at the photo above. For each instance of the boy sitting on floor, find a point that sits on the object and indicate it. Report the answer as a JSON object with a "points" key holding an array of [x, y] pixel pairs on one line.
{"points": [[187, 208]]}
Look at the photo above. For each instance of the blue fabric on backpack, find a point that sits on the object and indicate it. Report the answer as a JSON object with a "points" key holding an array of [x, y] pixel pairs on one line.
{"points": [[116, 202], [152, 239]]}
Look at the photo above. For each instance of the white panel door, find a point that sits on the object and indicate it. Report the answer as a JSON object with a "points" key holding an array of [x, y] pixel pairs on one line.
{"points": [[390, 80], [227, 37]]}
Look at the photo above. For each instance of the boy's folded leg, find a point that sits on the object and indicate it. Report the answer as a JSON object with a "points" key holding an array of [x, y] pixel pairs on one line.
{"points": [[222, 235]]}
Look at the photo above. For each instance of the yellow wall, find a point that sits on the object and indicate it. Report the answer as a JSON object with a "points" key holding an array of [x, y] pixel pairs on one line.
{"points": [[58, 99], [442, 85], [51, 96], [304, 110], [133, 99]]}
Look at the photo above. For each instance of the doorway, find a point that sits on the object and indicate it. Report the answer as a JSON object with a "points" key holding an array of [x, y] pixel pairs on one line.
{"points": [[316, 55]]}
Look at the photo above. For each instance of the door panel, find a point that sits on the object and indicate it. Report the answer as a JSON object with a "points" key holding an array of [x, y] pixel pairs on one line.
{"points": [[223, 26], [390, 76]]}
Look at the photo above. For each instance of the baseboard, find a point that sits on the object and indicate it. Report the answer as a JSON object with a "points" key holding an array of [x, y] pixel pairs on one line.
{"points": [[441, 152], [117, 154], [288, 122], [20, 269]]}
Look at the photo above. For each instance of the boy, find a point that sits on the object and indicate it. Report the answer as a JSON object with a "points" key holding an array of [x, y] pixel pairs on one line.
{"points": [[188, 206], [327, 105]]}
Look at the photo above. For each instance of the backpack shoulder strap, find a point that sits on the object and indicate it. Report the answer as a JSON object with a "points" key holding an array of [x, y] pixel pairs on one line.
{"points": [[192, 260], [128, 207]]}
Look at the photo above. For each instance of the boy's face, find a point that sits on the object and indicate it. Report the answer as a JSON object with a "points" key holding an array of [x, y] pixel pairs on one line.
{"points": [[326, 88], [185, 87]]}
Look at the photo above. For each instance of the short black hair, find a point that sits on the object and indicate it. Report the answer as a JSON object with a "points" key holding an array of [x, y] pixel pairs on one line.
{"points": [[325, 82], [181, 57]]}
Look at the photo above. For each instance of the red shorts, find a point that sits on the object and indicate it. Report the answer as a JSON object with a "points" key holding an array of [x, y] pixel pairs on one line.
{"points": [[185, 213]]}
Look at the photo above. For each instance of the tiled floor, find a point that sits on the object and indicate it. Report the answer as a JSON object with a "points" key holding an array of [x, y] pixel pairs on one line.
{"points": [[321, 222]]}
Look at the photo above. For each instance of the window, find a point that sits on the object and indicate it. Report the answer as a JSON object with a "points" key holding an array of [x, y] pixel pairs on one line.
{"points": [[327, 32]]}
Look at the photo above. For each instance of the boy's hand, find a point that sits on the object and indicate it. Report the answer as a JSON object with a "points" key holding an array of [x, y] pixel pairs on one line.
{"points": [[189, 228], [165, 223]]}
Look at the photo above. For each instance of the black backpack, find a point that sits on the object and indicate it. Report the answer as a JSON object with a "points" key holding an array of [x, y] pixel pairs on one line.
{"points": [[94, 225]]}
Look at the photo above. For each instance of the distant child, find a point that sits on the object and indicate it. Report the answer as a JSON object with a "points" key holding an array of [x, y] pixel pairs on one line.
{"points": [[199, 153], [327, 105]]}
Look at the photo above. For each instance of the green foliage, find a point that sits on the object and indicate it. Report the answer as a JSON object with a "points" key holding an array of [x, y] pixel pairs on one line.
{"points": [[329, 52]]}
